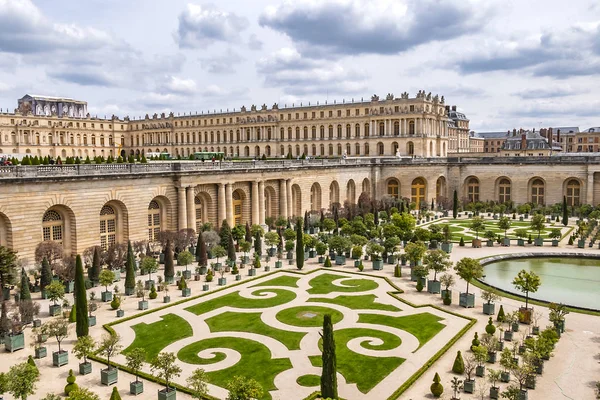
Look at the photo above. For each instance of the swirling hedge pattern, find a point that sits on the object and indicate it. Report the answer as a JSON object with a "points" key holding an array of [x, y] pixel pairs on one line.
{"points": [[235, 300]]}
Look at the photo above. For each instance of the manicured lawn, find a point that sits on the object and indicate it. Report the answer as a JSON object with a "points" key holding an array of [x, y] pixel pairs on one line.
{"points": [[309, 380], [362, 302], [284, 280], [158, 335], [323, 284], [251, 322], [235, 300], [365, 371], [256, 361], [307, 316], [423, 326]]}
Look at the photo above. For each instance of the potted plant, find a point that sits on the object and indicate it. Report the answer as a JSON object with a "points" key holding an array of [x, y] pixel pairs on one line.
{"points": [[521, 234], [438, 261], [185, 290], [493, 378], [140, 291], [321, 250], [526, 282], [457, 386], [163, 367], [340, 245], [490, 342], [414, 252], [218, 252], [436, 387], [39, 336], [468, 269], [106, 278], [538, 223], [148, 266], [489, 296], [185, 258], [480, 354], [504, 224], [245, 246], [83, 348], [391, 245], [507, 363], [557, 317], [55, 291], [477, 225], [508, 333], [271, 240], [555, 235], [92, 307], [166, 297], [109, 346], [222, 281], [375, 251], [470, 365], [357, 252], [135, 359], [535, 318], [59, 328], [447, 281], [490, 236], [420, 273]]}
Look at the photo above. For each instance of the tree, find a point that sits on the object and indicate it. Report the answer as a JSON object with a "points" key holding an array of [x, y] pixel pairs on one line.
{"points": [[94, 274], [459, 365], [115, 394], [8, 267], [83, 394], [538, 223], [81, 305], [201, 251], [328, 375], [106, 278], [169, 265], [84, 347], [438, 261], [241, 388], [71, 385], [21, 380], [257, 243], [415, 251], [225, 234], [469, 269], [299, 244], [55, 291], [130, 268], [477, 225], [565, 212], [59, 328], [150, 265], [230, 250], [165, 367], [455, 205], [527, 282], [436, 387], [25, 294], [46, 274], [135, 360], [504, 224], [109, 346], [197, 383]]}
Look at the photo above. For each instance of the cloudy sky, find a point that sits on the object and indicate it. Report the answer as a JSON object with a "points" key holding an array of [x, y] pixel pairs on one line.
{"points": [[506, 64]]}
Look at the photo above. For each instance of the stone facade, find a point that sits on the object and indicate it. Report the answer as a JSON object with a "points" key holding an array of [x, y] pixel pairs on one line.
{"points": [[86, 205]]}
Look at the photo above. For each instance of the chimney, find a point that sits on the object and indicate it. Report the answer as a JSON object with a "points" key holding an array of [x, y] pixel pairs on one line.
{"points": [[550, 137], [523, 141], [514, 132], [558, 135], [508, 133], [447, 109], [544, 133], [453, 108]]}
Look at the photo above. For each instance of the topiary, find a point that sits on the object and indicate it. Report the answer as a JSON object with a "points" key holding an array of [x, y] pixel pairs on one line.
{"points": [[31, 362], [361, 266], [71, 385], [475, 342], [235, 270], [397, 271], [419, 286], [116, 302], [501, 316], [462, 242], [459, 364], [490, 328], [115, 394], [327, 263], [436, 387], [153, 295], [209, 276], [73, 314], [571, 240]]}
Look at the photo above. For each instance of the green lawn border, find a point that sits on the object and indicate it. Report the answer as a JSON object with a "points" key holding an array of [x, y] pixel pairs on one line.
{"points": [[395, 395]]}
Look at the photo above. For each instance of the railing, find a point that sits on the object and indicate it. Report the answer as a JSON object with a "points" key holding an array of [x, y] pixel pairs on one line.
{"points": [[52, 171]]}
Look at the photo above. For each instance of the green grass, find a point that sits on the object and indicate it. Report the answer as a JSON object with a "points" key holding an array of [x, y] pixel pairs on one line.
{"points": [[251, 322], [290, 281], [235, 300], [296, 316], [365, 371], [156, 336], [362, 302], [255, 362], [423, 326], [323, 284], [309, 380]]}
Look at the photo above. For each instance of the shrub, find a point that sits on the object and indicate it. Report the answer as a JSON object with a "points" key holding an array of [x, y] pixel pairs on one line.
{"points": [[475, 342], [501, 316], [397, 271], [571, 240], [73, 314], [436, 387], [490, 328], [327, 263], [116, 302], [31, 362], [459, 364], [115, 394], [361, 266], [462, 242], [209, 276], [153, 295], [419, 286], [71, 385]]}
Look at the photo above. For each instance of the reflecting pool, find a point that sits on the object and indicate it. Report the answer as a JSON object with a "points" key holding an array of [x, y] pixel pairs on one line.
{"points": [[572, 281]]}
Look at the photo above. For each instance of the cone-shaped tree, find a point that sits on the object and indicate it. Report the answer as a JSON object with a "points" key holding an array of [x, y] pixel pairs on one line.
{"points": [[81, 306], [130, 269], [230, 249], [95, 269], [201, 251], [225, 234], [73, 314], [299, 244], [46, 274], [436, 387], [459, 364], [455, 205], [328, 375], [565, 212], [501, 316], [115, 394], [258, 244], [31, 362], [169, 266], [248, 233], [25, 294]]}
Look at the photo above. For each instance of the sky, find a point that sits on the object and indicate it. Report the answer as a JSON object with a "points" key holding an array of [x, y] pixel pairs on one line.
{"points": [[505, 64]]}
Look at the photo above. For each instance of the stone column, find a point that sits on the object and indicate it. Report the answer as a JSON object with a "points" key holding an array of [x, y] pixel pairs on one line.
{"points": [[288, 185], [283, 211], [229, 203], [261, 202], [191, 208], [222, 207], [255, 203], [181, 209], [590, 187]]}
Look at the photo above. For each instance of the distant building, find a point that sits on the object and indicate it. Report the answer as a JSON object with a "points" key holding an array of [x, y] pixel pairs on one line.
{"points": [[52, 106]]}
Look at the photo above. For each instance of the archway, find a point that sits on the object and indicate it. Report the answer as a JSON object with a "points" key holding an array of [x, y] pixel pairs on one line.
{"points": [[271, 207], [334, 194], [417, 192], [202, 203], [440, 190], [366, 186], [5, 232], [315, 197], [158, 210], [58, 225], [351, 192], [393, 188], [296, 200], [238, 197], [113, 224]]}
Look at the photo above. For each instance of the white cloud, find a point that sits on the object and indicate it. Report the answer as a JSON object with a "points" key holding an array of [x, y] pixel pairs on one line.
{"points": [[179, 85], [201, 26]]}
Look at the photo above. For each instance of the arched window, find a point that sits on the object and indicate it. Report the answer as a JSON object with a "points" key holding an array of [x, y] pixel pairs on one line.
{"points": [[573, 192], [297, 133], [330, 149], [380, 148], [305, 132], [366, 149], [393, 188], [339, 131], [322, 132], [366, 130], [200, 214], [410, 148], [237, 207], [381, 129], [473, 190], [108, 226], [314, 132], [315, 197], [348, 149], [357, 148], [153, 220], [330, 131], [411, 128], [348, 131], [537, 192], [417, 192], [322, 150], [504, 191], [396, 128], [357, 130], [52, 227], [394, 148]]}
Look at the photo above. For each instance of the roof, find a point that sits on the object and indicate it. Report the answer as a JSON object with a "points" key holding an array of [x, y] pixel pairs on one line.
{"points": [[593, 130], [566, 129], [53, 98], [457, 115], [492, 135]]}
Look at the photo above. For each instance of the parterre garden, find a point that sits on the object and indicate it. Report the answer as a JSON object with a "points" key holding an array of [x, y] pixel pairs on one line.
{"points": [[268, 329]]}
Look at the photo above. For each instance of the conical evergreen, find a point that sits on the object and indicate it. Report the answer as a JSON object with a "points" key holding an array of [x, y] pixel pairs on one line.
{"points": [[299, 244], [25, 294], [201, 251], [169, 265], [455, 205], [501, 316], [230, 249], [81, 306], [565, 212], [328, 375], [31, 362], [248, 233], [95, 269], [46, 274], [257, 244], [130, 269], [224, 234], [73, 314], [115, 394], [459, 364]]}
